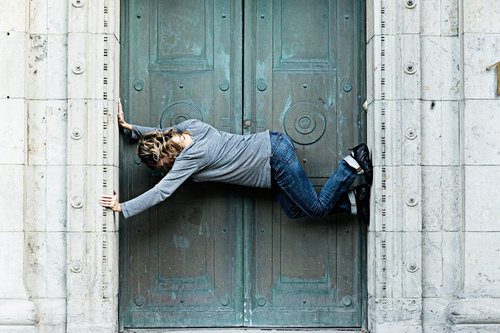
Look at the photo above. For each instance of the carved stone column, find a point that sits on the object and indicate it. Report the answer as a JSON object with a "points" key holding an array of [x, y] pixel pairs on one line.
{"points": [[92, 232], [394, 237]]}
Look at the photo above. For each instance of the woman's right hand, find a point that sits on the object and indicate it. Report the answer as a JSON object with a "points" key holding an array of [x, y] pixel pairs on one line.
{"points": [[121, 117]]}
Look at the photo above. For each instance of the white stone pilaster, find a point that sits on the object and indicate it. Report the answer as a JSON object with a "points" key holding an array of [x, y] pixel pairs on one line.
{"points": [[92, 232], [394, 125]]}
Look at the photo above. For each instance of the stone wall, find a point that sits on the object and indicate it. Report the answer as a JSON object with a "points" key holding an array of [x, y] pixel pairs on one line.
{"points": [[433, 114]]}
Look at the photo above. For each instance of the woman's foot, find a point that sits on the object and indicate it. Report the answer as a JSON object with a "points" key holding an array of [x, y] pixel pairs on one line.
{"points": [[362, 155], [362, 194]]}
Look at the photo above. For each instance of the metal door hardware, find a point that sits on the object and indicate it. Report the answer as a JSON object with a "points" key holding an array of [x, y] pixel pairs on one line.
{"points": [[497, 65]]}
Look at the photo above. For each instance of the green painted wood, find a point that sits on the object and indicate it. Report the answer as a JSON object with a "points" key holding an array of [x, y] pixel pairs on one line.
{"points": [[304, 273], [180, 259], [211, 256]]}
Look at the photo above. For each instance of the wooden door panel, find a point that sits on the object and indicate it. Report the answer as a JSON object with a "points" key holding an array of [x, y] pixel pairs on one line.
{"points": [[181, 257], [305, 272]]}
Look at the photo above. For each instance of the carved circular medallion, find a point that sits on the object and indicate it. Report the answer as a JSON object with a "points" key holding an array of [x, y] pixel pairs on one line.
{"points": [[304, 123], [178, 112]]}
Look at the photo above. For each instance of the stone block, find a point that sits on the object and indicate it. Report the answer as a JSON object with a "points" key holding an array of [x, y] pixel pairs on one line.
{"points": [[13, 48], [439, 18], [11, 261], [18, 313], [47, 66], [91, 265], [57, 12], [434, 311], [441, 198], [95, 16], [55, 219], [13, 15], [482, 250], [400, 19], [395, 315], [480, 51], [50, 311], [46, 264], [440, 133], [12, 197], [441, 264], [37, 132], [85, 65], [482, 16], [57, 128], [441, 72], [12, 140], [51, 328], [92, 314], [481, 199], [38, 16], [57, 67], [481, 132], [36, 198], [87, 184]]}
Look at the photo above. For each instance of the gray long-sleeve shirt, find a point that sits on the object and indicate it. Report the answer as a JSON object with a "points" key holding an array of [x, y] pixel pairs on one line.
{"points": [[212, 156]]}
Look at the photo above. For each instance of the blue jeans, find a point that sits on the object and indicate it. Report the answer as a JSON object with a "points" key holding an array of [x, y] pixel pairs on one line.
{"points": [[295, 192]]}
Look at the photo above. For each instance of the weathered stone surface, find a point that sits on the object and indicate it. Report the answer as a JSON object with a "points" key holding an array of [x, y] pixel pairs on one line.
{"points": [[482, 16], [439, 18], [441, 72], [46, 264], [48, 16], [12, 140], [474, 311], [51, 311], [11, 275], [480, 51], [441, 264], [12, 15], [57, 122], [440, 133], [481, 199], [92, 314], [441, 198], [17, 312], [11, 199], [46, 78], [482, 250], [481, 119]]}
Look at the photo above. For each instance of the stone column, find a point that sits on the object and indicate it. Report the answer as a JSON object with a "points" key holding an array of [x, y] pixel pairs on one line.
{"points": [[45, 190], [395, 237], [92, 134], [17, 313], [477, 309]]}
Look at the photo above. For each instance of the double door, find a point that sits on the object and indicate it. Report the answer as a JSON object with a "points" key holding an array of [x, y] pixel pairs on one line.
{"points": [[216, 255]]}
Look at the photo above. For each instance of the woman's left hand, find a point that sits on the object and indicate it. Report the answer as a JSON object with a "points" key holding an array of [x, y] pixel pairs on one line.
{"points": [[111, 201]]}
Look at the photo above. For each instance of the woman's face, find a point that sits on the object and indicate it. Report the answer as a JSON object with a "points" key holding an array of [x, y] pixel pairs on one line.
{"points": [[164, 163]]}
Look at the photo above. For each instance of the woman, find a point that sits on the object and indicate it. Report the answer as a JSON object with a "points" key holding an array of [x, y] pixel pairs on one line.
{"points": [[267, 159]]}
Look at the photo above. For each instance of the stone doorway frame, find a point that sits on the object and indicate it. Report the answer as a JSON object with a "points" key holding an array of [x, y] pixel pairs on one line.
{"points": [[394, 239]]}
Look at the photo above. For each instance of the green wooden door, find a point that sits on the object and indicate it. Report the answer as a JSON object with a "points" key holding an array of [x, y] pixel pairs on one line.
{"points": [[215, 255]]}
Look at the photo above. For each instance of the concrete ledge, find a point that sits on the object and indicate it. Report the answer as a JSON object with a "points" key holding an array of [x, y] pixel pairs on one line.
{"points": [[15, 312], [474, 311]]}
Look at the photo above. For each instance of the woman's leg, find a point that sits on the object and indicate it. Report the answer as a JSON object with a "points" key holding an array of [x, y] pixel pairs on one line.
{"points": [[289, 176]]}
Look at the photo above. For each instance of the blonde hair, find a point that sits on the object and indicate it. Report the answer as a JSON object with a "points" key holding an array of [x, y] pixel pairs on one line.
{"points": [[153, 146]]}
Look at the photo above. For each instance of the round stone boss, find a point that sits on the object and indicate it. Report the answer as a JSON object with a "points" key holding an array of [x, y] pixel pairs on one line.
{"points": [[304, 123], [178, 112]]}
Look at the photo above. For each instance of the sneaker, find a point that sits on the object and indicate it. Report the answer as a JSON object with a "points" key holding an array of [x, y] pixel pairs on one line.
{"points": [[362, 195], [362, 155]]}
